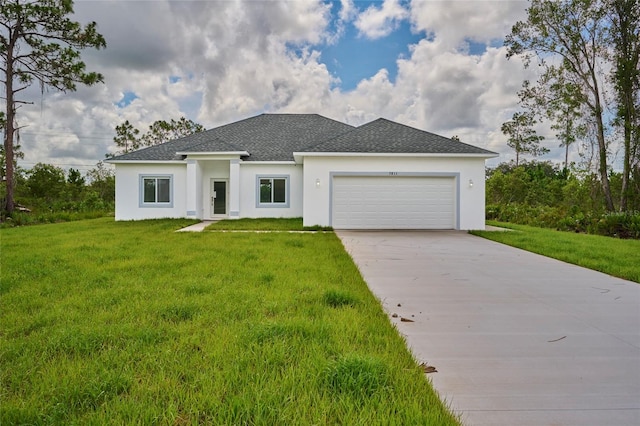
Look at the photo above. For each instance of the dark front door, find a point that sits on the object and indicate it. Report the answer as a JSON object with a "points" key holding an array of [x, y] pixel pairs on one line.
{"points": [[218, 197]]}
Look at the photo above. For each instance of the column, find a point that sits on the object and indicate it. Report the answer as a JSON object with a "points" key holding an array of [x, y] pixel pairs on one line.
{"points": [[192, 188], [234, 188]]}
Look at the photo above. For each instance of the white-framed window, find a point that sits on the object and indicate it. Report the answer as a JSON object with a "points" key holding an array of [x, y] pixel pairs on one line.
{"points": [[156, 190], [272, 191]]}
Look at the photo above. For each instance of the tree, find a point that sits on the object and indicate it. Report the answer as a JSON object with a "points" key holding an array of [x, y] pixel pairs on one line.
{"points": [[558, 100], [522, 137], [565, 118], [76, 184], [625, 37], [40, 43], [46, 182], [103, 182], [127, 138], [568, 38], [159, 132]]}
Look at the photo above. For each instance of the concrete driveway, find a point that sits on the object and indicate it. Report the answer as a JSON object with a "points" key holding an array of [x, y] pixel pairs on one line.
{"points": [[517, 338]]}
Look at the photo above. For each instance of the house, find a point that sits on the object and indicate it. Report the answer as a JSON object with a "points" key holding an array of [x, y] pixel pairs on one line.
{"points": [[381, 175]]}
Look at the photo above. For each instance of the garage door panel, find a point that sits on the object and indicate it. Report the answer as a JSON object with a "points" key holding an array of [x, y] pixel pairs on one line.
{"points": [[381, 202]]}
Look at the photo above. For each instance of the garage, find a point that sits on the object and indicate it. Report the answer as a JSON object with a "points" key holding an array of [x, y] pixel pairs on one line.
{"points": [[393, 202]]}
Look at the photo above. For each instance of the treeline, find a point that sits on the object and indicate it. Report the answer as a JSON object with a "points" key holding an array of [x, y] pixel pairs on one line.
{"points": [[46, 193], [544, 194], [587, 57]]}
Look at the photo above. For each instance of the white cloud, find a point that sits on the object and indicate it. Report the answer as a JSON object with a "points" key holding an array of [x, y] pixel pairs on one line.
{"points": [[238, 59], [348, 10], [376, 22], [454, 21]]}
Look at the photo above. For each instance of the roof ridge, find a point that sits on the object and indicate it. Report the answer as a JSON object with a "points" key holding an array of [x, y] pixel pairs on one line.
{"points": [[353, 129], [290, 113], [404, 125]]}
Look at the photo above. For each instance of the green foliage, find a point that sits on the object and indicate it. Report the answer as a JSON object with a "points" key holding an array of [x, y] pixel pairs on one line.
{"points": [[625, 38], [102, 181], [530, 183], [38, 218], [162, 131], [46, 182], [621, 225], [127, 137], [184, 329], [573, 41], [51, 196], [522, 137], [75, 184], [39, 43], [542, 194]]}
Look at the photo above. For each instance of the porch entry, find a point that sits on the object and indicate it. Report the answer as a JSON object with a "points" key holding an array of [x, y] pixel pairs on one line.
{"points": [[218, 197]]}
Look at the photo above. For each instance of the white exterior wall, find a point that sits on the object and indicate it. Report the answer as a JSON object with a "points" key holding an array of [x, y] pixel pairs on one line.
{"points": [[471, 208], [249, 189], [128, 191]]}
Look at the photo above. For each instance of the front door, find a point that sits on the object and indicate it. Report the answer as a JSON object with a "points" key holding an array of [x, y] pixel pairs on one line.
{"points": [[218, 198]]}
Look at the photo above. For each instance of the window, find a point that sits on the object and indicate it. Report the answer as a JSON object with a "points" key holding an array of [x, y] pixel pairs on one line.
{"points": [[156, 191], [273, 191]]}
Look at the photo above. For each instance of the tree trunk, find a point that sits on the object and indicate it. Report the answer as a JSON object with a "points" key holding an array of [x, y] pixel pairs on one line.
{"points": [[627, 51], [602, 160], [626, 167], [602, 144], [9, 130], [566, 143]]}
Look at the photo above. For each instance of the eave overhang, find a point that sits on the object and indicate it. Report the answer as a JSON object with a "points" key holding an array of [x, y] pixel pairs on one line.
{"points": [[299, 156]]}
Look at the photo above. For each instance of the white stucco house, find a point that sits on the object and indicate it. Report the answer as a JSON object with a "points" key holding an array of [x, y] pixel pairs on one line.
{"points": [[381, 175]]}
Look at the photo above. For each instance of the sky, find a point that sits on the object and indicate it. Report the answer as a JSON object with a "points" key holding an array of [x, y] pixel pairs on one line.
{"points": [[438, 66]]}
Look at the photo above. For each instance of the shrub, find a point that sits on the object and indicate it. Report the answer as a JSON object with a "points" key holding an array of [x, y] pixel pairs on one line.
{"points": [[621, 225]]}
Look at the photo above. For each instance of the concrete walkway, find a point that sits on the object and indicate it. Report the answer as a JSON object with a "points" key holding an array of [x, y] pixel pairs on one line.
{"points": [[517, 338], [197, 227]]}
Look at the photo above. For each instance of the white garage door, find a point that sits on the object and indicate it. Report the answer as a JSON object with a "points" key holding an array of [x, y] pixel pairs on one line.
{"points": [[393, 202]]}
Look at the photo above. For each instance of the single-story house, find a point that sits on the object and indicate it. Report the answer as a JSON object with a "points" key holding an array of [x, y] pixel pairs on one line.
{"points": [[381, 175]]}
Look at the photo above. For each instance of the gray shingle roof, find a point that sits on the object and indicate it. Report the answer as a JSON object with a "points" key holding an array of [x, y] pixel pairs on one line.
{"points": [[275, 137], [213, 145], [266, 137], [384, 136]]}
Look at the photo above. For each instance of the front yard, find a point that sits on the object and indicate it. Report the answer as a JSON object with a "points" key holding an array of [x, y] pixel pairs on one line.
{"points": [[613, 256], [120, 323]]}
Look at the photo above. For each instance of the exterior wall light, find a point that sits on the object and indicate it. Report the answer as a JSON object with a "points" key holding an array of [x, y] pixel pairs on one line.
{"points": [[318, 183], [470, 183]]}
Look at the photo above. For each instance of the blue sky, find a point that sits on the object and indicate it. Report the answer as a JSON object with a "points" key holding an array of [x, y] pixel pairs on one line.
{"points": [[435, 65], [355, 57]]}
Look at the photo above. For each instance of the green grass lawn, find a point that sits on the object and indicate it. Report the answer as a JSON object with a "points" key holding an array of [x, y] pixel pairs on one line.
{"points": [[263, 224], [132, 323], [620, 258]]}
